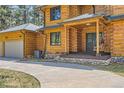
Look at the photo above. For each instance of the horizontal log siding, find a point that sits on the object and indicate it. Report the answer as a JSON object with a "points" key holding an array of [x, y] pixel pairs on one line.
{"points": [[103, 9], [87, 9], [79, 40], [117, 38], [40, 41], [30, 43], [117, 9], [75, 10], [72, 40], [107, 38], [59, 48], [11, 36]]}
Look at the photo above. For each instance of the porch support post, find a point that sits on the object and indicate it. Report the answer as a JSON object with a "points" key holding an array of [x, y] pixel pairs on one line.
{"points": [[75, 40], [97, 38], [66, 39]]}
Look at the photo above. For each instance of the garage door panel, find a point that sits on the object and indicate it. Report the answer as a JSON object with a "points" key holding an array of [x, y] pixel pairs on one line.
{"points": [[1, 49], [14, 48]]}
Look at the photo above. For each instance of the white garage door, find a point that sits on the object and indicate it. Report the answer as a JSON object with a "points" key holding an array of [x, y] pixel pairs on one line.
{"points": [[14, 48], [1, 49]]}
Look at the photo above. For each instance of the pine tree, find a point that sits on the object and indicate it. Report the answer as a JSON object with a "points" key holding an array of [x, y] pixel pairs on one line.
{"points": [[5, 17], [19, 14]]}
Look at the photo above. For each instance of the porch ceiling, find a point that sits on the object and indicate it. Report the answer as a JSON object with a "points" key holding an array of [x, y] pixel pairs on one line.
{"points": [[84, 25]]}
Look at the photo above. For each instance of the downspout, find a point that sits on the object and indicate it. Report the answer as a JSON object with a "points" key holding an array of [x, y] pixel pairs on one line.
{"points": [[45, 45], [44, 18], [23, 43], [93, 9]]}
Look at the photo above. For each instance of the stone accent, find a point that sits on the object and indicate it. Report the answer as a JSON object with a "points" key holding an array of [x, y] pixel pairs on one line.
{"points": [[51, 56], [82, 61], [117, 59]]}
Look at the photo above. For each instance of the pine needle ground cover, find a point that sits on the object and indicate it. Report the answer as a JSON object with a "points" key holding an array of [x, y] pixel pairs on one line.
{"points": [[16, 79]]}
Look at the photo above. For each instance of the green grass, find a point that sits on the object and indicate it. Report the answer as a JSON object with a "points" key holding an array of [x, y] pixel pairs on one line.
{"points": [[15, 79], [114, 67]]}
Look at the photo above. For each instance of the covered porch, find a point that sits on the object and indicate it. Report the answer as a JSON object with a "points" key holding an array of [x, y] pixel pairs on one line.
{"points": [[86, 36]]}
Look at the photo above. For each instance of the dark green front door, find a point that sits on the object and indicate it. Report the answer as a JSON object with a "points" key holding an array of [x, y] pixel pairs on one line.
{"points": [[90, 42]]}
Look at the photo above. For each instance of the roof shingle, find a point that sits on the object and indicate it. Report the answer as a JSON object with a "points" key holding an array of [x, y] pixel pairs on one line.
{"points": [[27, 26]]}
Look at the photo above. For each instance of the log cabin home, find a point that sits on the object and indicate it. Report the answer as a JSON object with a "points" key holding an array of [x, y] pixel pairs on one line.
{"points": [[85, 29], [92, 29]]}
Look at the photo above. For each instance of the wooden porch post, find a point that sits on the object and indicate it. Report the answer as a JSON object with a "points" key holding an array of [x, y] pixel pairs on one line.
{"points": [[97, 38], [75, 40]]}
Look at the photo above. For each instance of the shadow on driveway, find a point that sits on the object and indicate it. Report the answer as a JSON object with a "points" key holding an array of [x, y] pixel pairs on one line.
{"points": [[52, 64], [8, 59], [67, 65]]}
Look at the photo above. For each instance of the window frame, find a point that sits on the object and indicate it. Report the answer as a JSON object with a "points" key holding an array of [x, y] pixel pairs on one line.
{"points": [[51, 13], [56, 43]]}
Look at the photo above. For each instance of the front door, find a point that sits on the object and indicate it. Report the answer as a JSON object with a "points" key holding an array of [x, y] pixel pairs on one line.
{"points": [[90, 42]]}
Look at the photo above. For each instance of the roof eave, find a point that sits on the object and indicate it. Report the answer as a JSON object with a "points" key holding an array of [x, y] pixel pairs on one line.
{"points": [[82, 19], [115, 17]]}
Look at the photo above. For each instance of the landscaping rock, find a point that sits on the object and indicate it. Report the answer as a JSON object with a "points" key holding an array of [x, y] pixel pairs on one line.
{"points": [[58, 58], [82, 61], [117, 59]]}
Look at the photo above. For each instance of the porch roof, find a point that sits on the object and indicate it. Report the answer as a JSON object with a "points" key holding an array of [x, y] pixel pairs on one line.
{"points": [[84, 16], [51, 26], [115, 17]]}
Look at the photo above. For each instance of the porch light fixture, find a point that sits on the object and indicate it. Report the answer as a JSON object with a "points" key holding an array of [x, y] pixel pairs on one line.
{"points": [[88, 24]]}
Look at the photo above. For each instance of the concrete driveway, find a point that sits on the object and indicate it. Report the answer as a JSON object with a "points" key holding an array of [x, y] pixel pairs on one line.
{"points": [[65, 75]]}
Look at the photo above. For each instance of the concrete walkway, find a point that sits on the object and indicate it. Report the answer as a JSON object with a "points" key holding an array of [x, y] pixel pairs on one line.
{"points": [[65, 75]]}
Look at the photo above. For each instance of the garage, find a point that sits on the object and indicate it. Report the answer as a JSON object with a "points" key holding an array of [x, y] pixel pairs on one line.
{"points": [[14, 48], [1, 49], [19, 41]]}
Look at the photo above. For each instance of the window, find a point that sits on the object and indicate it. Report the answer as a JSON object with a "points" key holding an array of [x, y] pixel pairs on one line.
{"points": [[55, 13], [55, 38]]}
